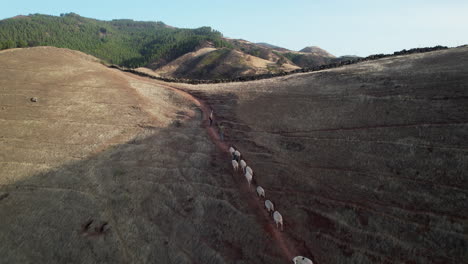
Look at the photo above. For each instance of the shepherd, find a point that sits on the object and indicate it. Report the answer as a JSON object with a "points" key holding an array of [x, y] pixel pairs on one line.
{"points": [[211, 117]]}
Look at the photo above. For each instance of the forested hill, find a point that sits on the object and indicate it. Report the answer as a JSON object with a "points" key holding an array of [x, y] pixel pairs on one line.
{"points": [[124, 42]]}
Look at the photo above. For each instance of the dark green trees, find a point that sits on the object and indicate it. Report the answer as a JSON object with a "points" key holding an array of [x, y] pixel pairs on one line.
{"points": [[125, 42]]}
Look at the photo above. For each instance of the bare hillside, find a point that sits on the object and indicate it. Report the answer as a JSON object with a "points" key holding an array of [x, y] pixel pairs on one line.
{"points": [[368, 163], [109, 168], [211, 63]]}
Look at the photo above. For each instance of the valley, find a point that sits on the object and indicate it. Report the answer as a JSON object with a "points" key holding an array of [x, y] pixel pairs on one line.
{"points": [[365, 162]]}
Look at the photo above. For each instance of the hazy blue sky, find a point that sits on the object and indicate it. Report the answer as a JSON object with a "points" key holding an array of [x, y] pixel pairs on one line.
{"points": [[360, 27]]}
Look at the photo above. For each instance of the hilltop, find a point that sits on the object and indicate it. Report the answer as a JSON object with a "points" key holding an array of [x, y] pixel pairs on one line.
{"points": [[317, 51]]}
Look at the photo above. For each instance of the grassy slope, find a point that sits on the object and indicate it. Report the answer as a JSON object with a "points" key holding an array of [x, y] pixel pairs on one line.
{"points": [[218, 64], [103, 145], [367, 162]]}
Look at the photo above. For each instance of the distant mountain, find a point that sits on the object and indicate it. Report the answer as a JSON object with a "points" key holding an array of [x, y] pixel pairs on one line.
{"points": [[317, 50], [201, 53], [313, 56], [123, 41], [307, 60], [257, 50], [213, 63]]}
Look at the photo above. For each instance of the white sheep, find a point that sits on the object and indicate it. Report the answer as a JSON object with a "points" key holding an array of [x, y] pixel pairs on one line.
{"points": [[269, 206], [232, 150], [248, 176], [302, 260], [243, 165], [260, 191], [235, 165], [237, 155], [249, 170], [278, 219]]}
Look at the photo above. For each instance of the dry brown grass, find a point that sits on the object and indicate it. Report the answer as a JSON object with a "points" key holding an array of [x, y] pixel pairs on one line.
{"points": [[368, 161], [228, 64], [105, 146]]}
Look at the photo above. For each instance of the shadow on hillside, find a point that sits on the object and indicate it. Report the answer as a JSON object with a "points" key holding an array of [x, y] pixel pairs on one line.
{"points": [[166, 196]]}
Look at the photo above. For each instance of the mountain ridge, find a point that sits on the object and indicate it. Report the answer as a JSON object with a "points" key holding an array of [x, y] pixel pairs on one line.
{"points": [[134, 44]]}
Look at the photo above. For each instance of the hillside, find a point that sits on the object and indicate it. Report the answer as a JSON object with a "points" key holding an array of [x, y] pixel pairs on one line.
{"points": [[307, 60], [367, 162], [155, 45], [107, 167], [211, 63], [125, 42], [312, 56], [244, 58], [257, 50]]}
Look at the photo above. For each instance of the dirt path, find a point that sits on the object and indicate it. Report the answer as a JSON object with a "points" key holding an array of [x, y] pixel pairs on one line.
{"points": [[279, 237]]}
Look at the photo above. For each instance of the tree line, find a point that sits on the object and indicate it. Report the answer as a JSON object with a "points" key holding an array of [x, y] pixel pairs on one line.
{"points": [[123, 42]]}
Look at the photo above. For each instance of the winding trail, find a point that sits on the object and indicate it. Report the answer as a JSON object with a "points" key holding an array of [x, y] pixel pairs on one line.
{"points": [[279, 237]]}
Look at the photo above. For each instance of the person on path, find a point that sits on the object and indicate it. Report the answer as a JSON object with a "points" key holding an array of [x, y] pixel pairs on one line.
{"points": [[211, 117]]}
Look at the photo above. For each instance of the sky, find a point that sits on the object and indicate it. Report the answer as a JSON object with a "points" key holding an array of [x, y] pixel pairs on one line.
{"points": [[353, 27]]}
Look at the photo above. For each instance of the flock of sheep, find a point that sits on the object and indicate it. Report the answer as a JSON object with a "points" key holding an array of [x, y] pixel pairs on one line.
{"points": [[238, 164]]}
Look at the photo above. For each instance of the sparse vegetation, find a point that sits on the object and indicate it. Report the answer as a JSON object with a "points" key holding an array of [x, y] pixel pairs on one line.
{"points": [[307, 60], [213, 56], [281, 61]]}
